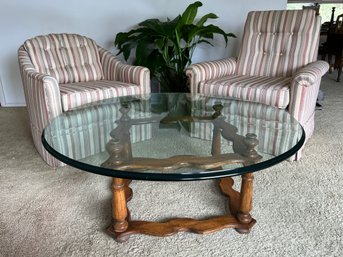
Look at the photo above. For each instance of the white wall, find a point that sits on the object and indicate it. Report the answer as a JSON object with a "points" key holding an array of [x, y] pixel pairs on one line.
{"points": [[101, 20]]}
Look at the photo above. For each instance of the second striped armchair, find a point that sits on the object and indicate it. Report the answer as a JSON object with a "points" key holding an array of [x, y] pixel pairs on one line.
{"points": [[277, 65], [61, 72]]}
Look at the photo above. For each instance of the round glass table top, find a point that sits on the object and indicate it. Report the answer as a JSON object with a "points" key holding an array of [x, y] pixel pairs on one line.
{"points": [[173, 136]]}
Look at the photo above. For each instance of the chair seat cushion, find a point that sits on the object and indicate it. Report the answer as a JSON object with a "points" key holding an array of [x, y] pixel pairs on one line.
{"points": [[74, 95], [85, 132], [249, 117], [273, 91]]}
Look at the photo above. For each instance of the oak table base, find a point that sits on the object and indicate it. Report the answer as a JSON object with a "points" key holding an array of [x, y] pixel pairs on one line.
{"points": [[240, 205]]}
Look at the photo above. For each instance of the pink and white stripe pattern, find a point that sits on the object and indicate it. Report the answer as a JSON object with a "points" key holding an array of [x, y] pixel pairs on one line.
{"points": [[69, 70], [277, 65], [74, 95], [66, 57], [85, 132], [274, 128], [115, 70], [209, 70], [272, 91], [277, 43], [304, 92]]}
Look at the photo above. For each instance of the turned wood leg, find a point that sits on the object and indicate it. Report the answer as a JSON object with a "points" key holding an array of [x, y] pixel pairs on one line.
{"points": [[330, 62], [339, 67], [216, 144], [119, 208], [245, 205], [216, 140]]}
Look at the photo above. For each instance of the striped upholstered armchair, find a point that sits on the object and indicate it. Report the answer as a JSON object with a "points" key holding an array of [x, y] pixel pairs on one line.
{"points": [[277, 65], [61, 72]]}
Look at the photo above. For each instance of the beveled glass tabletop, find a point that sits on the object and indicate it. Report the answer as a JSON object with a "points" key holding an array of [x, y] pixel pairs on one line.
{"points": [[173, 136]]}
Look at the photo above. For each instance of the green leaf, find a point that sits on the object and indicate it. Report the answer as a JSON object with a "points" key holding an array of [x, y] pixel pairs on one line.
{"points": [[126, 50], [143, 50], [205, 18], [150, 23], [166, 47], [189, 14], [231, 35]]}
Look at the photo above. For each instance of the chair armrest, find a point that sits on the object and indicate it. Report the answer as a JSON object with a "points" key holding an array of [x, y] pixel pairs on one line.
{"points": [[114, 69], [309, 74], [209, 70], [42, 92], [304, 90]]}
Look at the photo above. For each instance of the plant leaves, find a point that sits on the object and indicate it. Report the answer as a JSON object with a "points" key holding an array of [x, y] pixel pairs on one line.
{"points": [[203, 19], [189, 14], [166, 47]]}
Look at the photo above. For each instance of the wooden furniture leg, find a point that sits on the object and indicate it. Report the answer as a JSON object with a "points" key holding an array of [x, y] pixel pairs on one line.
{"points": [[120, 213], [240, 203], [216, 141], [245, 205], [330, 62], [339, 67]]}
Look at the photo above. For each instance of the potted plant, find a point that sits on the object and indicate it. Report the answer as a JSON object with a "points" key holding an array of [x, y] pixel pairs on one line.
{"points": [[167, 47]]}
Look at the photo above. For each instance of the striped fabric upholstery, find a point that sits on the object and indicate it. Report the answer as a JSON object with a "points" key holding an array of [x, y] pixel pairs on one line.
{"points": [[209, 70], [42, 101], [66, 57], [277, 43], [115, 70], [77, 94], [86, 131], [51, 64], [273, 127], [272, 91], [304, 91], [277, 65]]}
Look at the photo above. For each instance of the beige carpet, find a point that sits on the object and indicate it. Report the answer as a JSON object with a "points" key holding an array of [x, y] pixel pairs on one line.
{"points": [[64, 212]]}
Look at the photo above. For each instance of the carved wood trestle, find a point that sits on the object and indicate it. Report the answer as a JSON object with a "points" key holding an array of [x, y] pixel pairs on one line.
{"points": [[240, 202]]}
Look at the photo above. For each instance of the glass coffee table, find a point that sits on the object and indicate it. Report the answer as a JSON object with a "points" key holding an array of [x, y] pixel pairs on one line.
{"points": [[175, 137]]}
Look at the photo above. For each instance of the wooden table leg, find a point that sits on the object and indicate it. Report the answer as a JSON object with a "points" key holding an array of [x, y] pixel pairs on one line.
{"points": [[330, 63], [240, 203], [120, 213], [245, 205], [339, 67]]}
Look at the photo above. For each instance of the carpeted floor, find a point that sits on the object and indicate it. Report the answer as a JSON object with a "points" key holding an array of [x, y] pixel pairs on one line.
{"points": [[298, 206]]}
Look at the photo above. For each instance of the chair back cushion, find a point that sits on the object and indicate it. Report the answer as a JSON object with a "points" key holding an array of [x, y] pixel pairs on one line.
{"points": [[276, 43], [67, 57]]}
